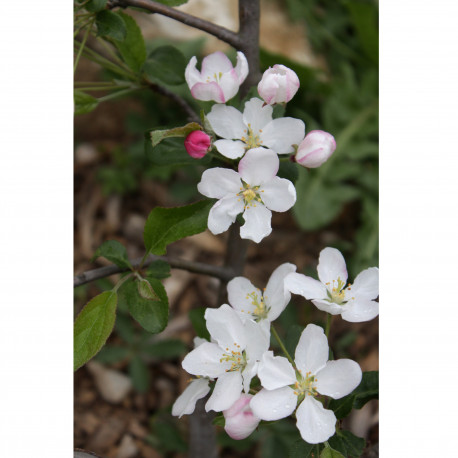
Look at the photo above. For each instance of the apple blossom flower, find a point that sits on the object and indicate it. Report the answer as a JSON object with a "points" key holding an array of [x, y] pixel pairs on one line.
{"points": [[253, 129], [263, 307], [315, 375], [254, 190], [355, 303], [316, 148], [218, 80], [232, 357], [278, 84], [240, 420], [197, 144]]}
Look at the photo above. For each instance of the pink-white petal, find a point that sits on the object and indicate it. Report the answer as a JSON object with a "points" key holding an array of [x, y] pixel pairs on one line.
{"points": [[238, 290], [233, 149], [241, 67], [360, 310], [191, 74], [240, 420], [275, 371], [227, 390], [205, 360], [257, 223], [328, 307], [223, 214], [218, 182], [273, 405], [315, 423], [276, 296], [331, 267], [186, 402], [255, 115], [281, 133], [312, 351], [229, 84], [208, 91], [365, 285], [307, 287], [226, 328], [227, 122], [258, 166], [338, 378], [278, 194], [215, 63]]}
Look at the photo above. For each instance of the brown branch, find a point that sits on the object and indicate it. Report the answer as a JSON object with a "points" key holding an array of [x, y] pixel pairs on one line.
{"points": [[223, 273], [222, 33]]}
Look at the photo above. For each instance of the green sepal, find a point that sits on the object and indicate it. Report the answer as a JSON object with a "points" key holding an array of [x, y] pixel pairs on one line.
{"points": [[219, 420], [158, 135]]}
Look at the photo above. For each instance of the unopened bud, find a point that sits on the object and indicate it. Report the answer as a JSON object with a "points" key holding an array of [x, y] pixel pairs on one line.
{"points": [[316, 148], [240, 420], [278, 84], [197, 144]]}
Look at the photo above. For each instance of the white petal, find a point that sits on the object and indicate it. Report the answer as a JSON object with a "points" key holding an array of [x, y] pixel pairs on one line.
{"points": [[360, 310], [331, 267], [312, 351], [226, 327], [258, 340], [251, 369], [365, 285], [281, 133], [338, 378], [278, 194], [307, 287], [208, 91], [255, 115], [233, 149], [198, 341], [227, 122], [276, 296], [186, 402], [205, 360], [275, 371], [273, 405], [315, 423], [238, 290], [241, 67], [229, 83], [215, 63], [219, 182], [191, 74], [258, 166], [257, 223], [227, 390], [329, 307], [224, 213]]}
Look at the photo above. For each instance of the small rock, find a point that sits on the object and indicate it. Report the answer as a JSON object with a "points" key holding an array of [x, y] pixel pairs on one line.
{"points": [[107, 435], [112, 385], [127, 448], [89, 423], [85, 154]]}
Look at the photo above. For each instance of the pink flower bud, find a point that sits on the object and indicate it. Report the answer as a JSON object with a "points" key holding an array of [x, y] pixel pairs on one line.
{"points": [[316, 148], [240, 420], [197, 144], [278, 85]]}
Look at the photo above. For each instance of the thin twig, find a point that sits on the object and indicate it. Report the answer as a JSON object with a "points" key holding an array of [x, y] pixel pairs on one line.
{"points": [[222, 33], [223, 273]]}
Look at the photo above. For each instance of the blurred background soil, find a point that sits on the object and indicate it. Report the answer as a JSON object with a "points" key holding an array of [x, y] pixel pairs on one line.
{"points": [[123, 414]]}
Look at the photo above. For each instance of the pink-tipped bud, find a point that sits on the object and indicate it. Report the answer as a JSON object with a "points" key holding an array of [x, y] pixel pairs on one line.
{"points": [[240, 420], [316, 148], [197, 144], [278, 85]]}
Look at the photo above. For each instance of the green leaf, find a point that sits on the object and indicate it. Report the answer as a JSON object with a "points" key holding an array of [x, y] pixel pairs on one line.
{"points": [[115, 252], [198, 322], [92, 327], [139, 375], [124, 326], [169, 437], [152, 315], [330, 453], [111, 354], [110, 25], [301, 449], [342, 407], [158, 135], [93, 6], [84, 103], [165, 349], [158, 269], [167, 64], [347, 443], [146, 291], [167, 225], [289, 170], [172, 2], [132, 48]]}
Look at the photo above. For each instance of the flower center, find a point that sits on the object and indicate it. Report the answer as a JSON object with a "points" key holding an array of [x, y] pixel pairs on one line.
{"points": [[236, 357], [251, 139], [337, 294], [250, 195], [216, 77], [261, 310], [306, 385]]}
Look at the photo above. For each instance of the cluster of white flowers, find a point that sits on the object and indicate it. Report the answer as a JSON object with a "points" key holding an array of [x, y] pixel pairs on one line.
{"points": [[248, 383]]}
